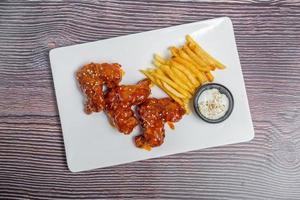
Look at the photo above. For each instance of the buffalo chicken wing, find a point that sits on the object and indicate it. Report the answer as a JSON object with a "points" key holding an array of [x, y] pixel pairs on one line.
{"points": [[92, 77], [119, 101], [153, 114]]}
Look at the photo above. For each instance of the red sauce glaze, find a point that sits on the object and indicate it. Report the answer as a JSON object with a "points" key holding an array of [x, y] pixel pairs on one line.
{"points": [[119, 101], [153, 114], [91, 79]]}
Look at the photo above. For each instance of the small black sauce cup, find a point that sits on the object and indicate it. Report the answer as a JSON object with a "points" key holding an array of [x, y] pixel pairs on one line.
{"points": [[223, 90]]}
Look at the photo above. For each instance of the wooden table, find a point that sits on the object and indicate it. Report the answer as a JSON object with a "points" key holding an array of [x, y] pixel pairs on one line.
{"points": [[32, 156]]}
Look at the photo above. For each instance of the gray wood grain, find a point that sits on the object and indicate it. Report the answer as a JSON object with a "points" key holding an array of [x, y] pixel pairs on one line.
{"points": [[32, 157]]}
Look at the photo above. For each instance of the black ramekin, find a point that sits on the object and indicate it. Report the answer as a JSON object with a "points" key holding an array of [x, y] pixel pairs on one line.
{"points": [[223, 90]]}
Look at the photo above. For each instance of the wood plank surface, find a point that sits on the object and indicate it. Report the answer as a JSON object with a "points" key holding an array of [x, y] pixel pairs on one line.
{"points": [[32, 156]]}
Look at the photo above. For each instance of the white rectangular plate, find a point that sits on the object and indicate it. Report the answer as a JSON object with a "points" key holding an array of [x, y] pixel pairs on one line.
{"points": [[91, 142]]}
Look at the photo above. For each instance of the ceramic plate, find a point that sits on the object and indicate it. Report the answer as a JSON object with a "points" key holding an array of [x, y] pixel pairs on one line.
{"points": [[91, 142]]}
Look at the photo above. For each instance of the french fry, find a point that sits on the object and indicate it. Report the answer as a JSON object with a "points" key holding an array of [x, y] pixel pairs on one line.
{"points": [[187, 72], [168, 91], [187, 69], [159, 59], [190, 66], [161, 76], [172, 90], [148, 75], [159, 71], [178, 100], [186, 63], [198, 53], [187, 109], [185, 56], [183, 78], [165, 70], [200, 75], [204, 78], [153, 80], [156, 63], [202, 66], [203, 52], [174, 51], [180, 77], [217, 64], [171, 83], [186, 106], [175, 78], [209, 76], [160, 84], [170, 94]]}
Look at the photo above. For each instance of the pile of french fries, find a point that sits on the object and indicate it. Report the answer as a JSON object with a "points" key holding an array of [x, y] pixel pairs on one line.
{"points": [[188, 68]]}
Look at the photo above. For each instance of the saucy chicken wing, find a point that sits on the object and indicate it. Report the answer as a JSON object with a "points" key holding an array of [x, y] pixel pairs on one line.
{"points": [[119, 101], [154, 113], [91, 79]]}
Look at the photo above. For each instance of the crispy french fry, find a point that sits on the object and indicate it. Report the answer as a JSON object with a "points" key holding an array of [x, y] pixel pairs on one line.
{"points": [[175, 98], [185, 56], [159, 59], [204, 78], [170, 94], [156, 81], [186, 63], [187, 72], [203, 52], [183, 78], [198, 53], [148, 75], [190, 66], [166, 71], [156, 63], [209, 76], [189, 38], [174, 51], [159, 71], [153, 82], [175, 78], [209, 58], [180, 77], [187, 109], [186, 106], [202, 66], [178, 100], [160, 84], [172, 90], [173, 84]]}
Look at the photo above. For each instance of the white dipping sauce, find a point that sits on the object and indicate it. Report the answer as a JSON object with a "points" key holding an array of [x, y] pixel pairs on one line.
{"points": [[212, 104]]}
